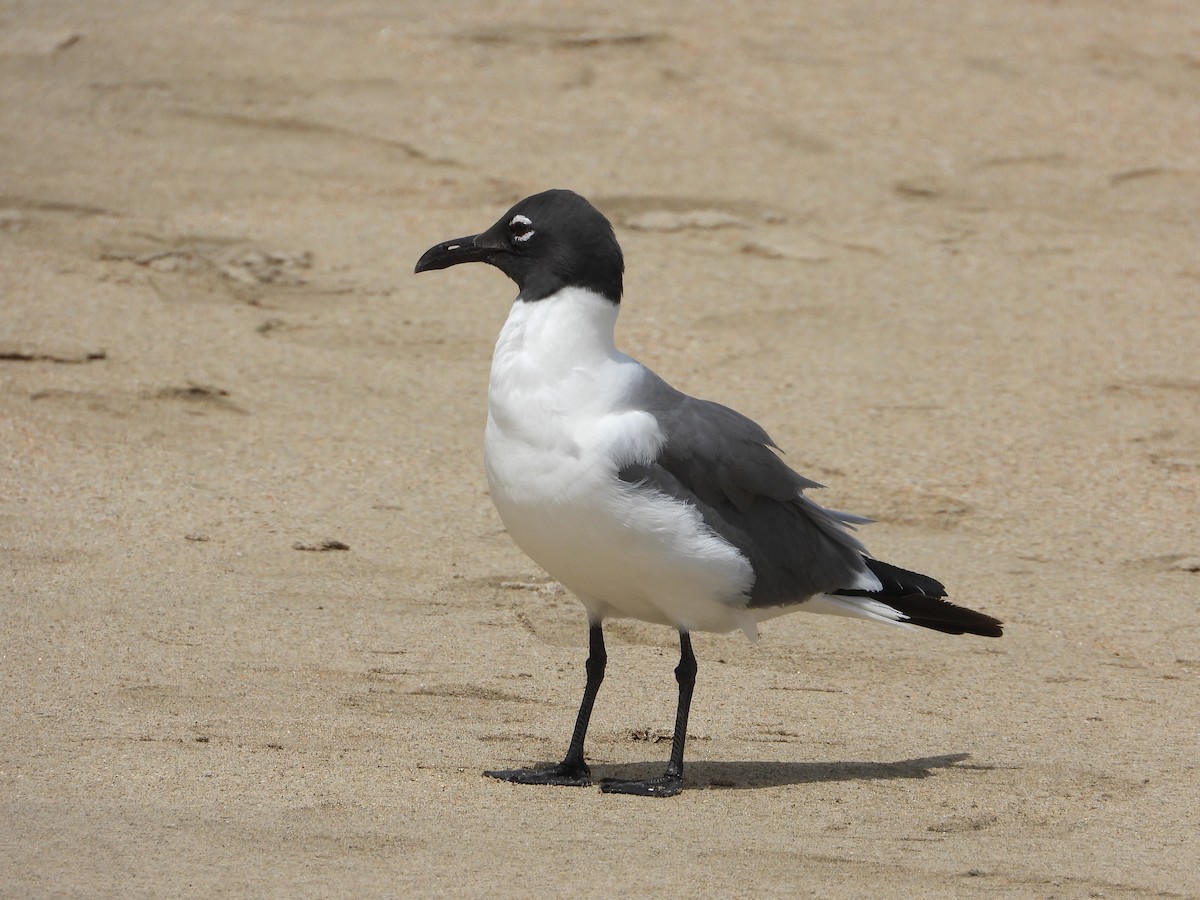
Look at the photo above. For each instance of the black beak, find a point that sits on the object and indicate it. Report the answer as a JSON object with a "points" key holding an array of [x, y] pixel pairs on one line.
{"points": [[451, 253]]}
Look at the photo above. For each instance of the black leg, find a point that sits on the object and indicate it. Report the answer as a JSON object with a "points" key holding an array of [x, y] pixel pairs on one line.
{"points": [[572, 770], [670, 782]]}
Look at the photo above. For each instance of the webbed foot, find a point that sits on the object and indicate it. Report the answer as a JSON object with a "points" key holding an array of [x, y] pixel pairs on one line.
{"points": [[566, 774], [662, 786]]}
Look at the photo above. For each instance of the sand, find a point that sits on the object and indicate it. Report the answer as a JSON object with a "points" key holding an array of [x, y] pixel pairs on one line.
{"points": [[945, 253]]}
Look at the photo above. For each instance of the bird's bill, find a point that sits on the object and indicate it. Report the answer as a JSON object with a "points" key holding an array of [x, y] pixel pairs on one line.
{"points": [[451, 253]]}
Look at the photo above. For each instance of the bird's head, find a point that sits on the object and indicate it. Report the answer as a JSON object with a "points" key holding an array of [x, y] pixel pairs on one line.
{"points": [[547, 242]]}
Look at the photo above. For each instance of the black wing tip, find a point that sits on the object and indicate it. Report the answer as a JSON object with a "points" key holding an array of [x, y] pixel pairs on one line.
{"points": [[936, 613], [921, 599], [951, 619]]}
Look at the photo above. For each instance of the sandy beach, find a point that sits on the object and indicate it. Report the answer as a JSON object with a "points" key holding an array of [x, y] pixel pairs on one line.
{"points": [[262, 629]]}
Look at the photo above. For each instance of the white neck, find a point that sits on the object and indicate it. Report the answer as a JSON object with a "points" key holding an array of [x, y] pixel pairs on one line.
{"points": [[566, 332]]}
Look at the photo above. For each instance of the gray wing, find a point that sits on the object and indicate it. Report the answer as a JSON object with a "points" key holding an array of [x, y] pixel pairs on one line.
{"points": [[725, 465]]}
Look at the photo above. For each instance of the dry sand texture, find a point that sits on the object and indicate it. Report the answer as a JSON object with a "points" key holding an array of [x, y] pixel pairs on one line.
{"points": [[946, 253]]}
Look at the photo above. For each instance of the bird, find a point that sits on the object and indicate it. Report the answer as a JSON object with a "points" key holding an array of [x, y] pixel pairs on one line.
{"points": [[645, 502]]}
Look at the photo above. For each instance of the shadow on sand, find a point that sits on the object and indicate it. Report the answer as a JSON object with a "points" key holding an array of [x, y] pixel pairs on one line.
{"points": [[703, 775]]}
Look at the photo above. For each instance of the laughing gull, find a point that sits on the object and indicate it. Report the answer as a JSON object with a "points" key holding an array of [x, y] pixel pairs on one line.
{"points": [[644, 502]]}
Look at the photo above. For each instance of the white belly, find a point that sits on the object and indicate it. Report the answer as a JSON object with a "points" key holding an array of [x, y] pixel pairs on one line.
{"points": [[623, 551]]}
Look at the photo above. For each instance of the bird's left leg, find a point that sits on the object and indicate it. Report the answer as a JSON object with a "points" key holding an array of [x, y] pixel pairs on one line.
{"points": [[670, 782]]}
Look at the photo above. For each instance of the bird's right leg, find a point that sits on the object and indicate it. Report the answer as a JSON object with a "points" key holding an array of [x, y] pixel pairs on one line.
{"points": [[572, 770]]}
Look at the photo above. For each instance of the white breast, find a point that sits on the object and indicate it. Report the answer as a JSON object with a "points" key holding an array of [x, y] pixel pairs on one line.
{"points": [[559, 428]]}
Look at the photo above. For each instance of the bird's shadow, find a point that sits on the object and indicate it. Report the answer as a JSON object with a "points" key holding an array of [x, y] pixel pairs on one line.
{"points": [[747, 774]]}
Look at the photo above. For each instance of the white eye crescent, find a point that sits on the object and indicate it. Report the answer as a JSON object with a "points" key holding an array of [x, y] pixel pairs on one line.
{"points": [[521, 228]]}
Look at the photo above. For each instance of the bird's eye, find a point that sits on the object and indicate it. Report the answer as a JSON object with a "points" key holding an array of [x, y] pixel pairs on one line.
{"points": [[520, 228]]}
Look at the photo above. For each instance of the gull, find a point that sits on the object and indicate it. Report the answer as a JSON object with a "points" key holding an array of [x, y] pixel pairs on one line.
{"points": [[644, 502]]}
